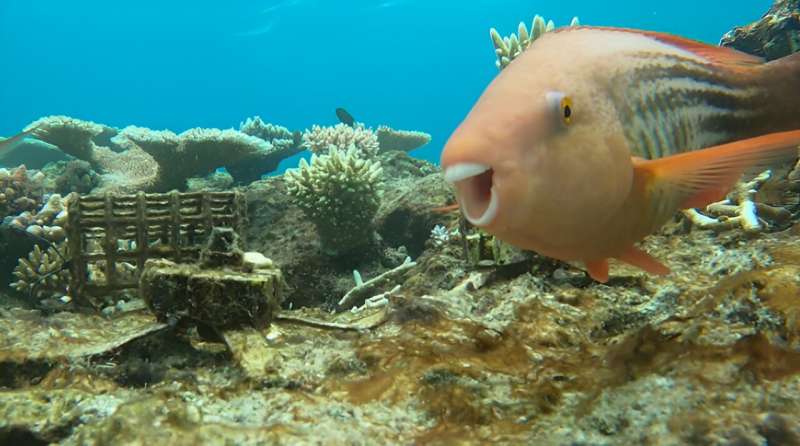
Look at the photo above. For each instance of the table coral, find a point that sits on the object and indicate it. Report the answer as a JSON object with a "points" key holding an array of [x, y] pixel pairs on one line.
{"points": [[138, 158], [390, 139], [340, 193], [73, 136]]}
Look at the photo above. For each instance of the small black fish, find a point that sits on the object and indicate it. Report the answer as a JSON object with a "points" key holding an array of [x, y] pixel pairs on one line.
{"points": [[345, 117]]}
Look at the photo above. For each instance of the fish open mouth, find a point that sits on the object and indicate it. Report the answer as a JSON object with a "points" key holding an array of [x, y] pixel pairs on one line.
{"points": [[475, 191]]}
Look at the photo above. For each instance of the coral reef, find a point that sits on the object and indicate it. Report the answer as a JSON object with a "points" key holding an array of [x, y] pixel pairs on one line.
{"points": [[43, 273], [198, 152], [284, 144], [137, 158], [72, 176], [20, 190], [219, 180], [340, 192], [73, 136], [369, 142], [508, 48], [342, 136], [390, 139], [776, 35], [48, 223]]}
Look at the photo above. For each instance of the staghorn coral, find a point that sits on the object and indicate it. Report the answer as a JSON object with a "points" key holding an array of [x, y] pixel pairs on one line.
{"points": [[20, 190], [341, 136], [403, 140], [43, 274], [508, 48], [340, 192]]}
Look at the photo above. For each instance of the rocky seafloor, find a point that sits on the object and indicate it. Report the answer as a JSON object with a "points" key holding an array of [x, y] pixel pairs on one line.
{"points": [[527, 352]]}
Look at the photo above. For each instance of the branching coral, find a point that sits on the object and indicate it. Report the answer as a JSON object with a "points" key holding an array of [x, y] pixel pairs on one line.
{"points": [[341, 136], [49, 222], [390, 139], [42, 273], [340, 193], [508, 48], [20, 190]]}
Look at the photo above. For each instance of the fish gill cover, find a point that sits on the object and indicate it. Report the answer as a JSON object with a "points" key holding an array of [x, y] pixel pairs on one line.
{"points": [[224, 223]]}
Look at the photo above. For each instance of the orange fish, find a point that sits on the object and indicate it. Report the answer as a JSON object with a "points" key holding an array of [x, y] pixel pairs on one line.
{"points": [[593, 138]]}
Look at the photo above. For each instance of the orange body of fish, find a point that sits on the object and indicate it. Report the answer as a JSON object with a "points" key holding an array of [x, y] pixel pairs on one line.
{"points": [[593, 138]]}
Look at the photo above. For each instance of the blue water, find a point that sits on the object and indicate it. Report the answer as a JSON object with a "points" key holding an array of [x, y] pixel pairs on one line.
{"points": [[415, 64]]}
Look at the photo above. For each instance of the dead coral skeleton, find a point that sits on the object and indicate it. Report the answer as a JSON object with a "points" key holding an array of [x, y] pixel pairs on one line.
{"points": [[371, 288], [740, 209]]}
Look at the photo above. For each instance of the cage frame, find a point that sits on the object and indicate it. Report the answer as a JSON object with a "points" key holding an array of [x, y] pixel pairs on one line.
{"points": [[186, 219]]}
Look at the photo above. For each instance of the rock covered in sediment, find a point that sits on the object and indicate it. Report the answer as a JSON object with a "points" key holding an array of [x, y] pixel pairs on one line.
{"points": [[775, 35]]}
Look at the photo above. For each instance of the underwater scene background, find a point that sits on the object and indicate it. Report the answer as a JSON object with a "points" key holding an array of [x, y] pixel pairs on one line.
{"points": [[406, 63], [228, 223]]}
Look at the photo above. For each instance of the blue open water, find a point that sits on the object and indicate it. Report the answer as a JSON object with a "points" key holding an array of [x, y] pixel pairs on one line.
{"points": [[415, 64]]}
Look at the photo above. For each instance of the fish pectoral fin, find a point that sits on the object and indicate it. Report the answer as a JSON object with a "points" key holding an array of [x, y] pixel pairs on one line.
{"points": [[597, 269], [698, 178], [644, 261]]}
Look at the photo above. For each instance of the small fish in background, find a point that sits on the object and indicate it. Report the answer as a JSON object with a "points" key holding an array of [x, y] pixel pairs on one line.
{"points": [[8, 143], [345, 117], [593, 138]]}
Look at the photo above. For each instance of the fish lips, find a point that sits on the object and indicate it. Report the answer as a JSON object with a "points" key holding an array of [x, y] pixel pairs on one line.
{"points": [[475, 191]]}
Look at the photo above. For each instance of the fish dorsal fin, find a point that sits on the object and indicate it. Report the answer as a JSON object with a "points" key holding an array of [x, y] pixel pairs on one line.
{"points": [[698, 178], [719, 55]]}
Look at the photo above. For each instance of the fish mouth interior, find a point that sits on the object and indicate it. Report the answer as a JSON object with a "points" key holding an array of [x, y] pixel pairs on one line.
{"points": [[474, 185]]}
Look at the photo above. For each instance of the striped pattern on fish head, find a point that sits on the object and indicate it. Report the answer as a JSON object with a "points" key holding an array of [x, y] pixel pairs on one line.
{"points": [[542, 158]]}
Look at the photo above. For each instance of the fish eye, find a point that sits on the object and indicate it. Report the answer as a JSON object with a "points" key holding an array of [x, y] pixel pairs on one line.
{"points": [[566, 110], [561, 105]]}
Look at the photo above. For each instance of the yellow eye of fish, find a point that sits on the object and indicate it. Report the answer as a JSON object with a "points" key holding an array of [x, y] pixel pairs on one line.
{"points": [[561, 106], [566, 110]]}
